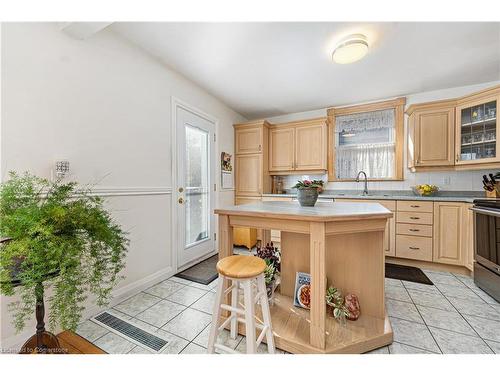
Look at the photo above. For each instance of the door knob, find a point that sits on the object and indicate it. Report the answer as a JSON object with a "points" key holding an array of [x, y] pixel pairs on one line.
{"points": [[180, 200]]}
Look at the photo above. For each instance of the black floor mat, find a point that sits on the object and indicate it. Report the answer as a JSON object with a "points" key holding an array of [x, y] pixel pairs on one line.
{"points": [[203, 272], [407, 273]]}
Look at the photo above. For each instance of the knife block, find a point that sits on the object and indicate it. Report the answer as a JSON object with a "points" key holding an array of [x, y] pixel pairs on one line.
{"points": [[495, 193]]}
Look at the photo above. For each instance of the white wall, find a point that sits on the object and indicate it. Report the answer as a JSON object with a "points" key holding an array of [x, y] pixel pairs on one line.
{"points": [[104, 105], [464, 180]]}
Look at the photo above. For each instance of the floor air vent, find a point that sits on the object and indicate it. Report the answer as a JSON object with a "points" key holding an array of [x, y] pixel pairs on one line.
{"points": [[131, 332]]}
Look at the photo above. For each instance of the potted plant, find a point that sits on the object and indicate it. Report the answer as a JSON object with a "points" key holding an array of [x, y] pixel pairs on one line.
{"points": [[335, 304], [307, 191], [59, 236], [271, 255]]}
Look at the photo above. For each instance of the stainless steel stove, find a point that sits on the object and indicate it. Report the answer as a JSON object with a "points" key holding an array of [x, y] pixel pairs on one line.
{"points": [[487, 246]]}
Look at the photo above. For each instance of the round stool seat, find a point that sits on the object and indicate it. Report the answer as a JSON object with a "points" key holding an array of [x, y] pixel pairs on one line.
{"points": [[241, 266]]}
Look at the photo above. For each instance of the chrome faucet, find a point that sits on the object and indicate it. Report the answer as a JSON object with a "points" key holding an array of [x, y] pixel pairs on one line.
{"points": [[365, 190]]}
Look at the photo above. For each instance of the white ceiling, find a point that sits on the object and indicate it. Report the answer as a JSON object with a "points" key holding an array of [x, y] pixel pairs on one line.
{"points": [[268, 69]]}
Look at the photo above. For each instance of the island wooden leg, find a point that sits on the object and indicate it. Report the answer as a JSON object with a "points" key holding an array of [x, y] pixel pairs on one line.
{"points": [[225, 250], [318, 284]]}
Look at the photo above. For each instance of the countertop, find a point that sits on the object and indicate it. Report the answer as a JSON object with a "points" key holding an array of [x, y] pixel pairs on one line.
{"points": [[322, 211], [446, 196]]}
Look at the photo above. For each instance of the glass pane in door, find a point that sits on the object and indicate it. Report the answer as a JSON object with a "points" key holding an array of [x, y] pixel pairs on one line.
{"points": [[478, 132], [197, 189]]}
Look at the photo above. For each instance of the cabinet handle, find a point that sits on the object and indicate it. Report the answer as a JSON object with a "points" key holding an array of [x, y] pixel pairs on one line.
{"points": [[456, 159], [414, 217], [414, 230], [260, 147], [415, 206], [414, 248]]}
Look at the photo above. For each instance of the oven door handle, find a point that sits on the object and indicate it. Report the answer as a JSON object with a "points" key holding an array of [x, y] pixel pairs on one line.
{"points": [[486, 212]]}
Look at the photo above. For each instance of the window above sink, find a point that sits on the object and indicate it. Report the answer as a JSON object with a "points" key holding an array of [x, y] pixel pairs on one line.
{"points": [[366, 137]]}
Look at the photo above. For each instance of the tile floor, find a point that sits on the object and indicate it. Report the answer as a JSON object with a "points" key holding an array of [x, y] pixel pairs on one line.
{"points": [[452, 316]]}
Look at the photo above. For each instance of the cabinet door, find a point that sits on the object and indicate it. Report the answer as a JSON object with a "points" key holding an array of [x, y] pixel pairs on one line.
{"points": [[310, 147], [448, 236], [248, 140], [468, 236], [477, 131], [434, 137], [248, 173], [281, 149]]}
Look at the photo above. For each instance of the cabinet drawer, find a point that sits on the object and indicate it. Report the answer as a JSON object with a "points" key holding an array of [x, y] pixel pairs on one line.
{"points": [[414, 229], [413, 247], [414, 217], [415, 206]]}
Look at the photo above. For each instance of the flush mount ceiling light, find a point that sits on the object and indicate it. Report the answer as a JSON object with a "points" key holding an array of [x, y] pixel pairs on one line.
{"points": [[350, 49]]}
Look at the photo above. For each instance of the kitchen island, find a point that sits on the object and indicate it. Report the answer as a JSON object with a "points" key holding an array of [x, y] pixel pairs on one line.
{"points": [[339, 244]]}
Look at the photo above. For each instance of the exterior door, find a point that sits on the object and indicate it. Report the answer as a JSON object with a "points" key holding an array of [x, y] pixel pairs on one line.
{"points": [[195, 186]]}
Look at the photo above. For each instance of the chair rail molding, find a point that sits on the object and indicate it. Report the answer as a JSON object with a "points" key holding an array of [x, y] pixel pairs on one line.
{"points": [[110, 191]]}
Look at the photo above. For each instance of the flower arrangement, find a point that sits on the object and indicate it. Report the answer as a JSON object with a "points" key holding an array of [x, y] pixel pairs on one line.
{"points": [[310, 184], [272, 256]]}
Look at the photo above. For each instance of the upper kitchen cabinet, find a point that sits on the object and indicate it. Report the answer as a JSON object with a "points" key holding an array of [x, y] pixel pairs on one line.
{"points": [[431, 131], [282, 149], [310, 146], [251, 159], [455, 134], [249, 138], [299, 146], [477, 129]]}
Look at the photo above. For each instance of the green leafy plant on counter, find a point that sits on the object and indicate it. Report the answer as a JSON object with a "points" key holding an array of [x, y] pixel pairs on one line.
{"points": [[335, 300], [61, 237]]}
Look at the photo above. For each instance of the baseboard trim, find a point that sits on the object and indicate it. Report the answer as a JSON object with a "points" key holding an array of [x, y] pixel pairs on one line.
{"points": [[129, 290], [121, 294]]}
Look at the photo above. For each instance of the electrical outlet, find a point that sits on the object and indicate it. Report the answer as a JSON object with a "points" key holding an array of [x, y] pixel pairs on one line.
{"points": [[446, 180]]}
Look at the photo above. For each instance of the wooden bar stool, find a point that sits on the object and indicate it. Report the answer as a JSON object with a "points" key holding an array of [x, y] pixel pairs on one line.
{"points": [[243, 271]]}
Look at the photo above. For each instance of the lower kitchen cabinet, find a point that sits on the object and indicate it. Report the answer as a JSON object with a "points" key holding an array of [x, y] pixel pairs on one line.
{"points": [[414, 247], [449, 229]]}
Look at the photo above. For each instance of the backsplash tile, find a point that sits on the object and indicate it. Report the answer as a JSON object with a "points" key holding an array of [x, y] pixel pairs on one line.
{"points": [[458, 181]]}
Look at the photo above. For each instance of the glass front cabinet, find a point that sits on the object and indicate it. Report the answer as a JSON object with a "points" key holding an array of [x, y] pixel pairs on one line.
{"points": [[478, 131]]}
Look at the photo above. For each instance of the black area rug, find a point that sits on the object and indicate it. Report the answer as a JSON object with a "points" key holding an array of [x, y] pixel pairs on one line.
{"points": [[407, 273], [202, 273]]}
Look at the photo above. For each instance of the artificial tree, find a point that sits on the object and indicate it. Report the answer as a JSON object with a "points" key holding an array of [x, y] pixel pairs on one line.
{"points": [[56, 235]]}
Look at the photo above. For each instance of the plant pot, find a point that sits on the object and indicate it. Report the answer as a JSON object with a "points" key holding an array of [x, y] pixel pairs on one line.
{"points": [[307, 197], [270, 288]]}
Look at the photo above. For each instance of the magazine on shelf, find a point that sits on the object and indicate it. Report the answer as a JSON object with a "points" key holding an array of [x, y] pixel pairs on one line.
{"points": [[302, 295]]}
